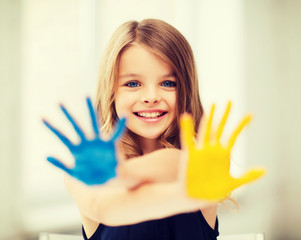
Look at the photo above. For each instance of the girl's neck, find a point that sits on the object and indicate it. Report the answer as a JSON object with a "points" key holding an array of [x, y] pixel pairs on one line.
{"points": [[148, 145]]}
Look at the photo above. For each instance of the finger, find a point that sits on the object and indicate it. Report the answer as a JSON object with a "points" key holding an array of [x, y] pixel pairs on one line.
{"points": [[209, 125], [61, 136], [187, 131], [119, 129], [223, 122], [93, 116], [74, 124], [60, 165], [201, 131], [237, 131], [250, 176]]}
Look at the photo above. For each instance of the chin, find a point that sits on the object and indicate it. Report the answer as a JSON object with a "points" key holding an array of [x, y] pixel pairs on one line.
{"points": [[150, 135], [153, 137]]}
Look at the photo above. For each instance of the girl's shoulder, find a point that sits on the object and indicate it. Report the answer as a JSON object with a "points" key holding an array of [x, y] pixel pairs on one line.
{"points": [[209, 214], [89, 227]]}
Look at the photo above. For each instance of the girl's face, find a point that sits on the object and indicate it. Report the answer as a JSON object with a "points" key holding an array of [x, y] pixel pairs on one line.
{"points": [[146, 92]]}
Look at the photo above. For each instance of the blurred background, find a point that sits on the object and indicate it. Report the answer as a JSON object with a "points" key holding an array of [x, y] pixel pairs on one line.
{"points": [[247, 51]]}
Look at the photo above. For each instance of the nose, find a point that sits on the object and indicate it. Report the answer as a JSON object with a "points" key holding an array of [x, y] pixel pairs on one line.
{"points": [[150, 99], [150, 96]]}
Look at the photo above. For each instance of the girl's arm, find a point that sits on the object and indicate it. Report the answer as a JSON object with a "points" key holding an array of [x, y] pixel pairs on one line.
{"points": [[114, 205], [158, 166]]}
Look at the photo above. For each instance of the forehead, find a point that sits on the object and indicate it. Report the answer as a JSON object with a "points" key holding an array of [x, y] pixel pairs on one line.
{"points": [[137, 59]]}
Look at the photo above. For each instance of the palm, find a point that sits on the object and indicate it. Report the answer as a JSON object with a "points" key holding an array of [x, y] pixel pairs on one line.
{"points": [[208, 166], [95, 159]]}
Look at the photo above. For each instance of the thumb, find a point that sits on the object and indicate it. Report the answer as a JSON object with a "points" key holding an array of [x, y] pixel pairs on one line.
{"points": [[60, 165], [186, 131], [121, 169], [119, 129], [120, 152], [250, 176]]}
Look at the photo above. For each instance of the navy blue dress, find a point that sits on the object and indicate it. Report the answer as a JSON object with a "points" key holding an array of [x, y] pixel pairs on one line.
{"points": [[187, 226]]}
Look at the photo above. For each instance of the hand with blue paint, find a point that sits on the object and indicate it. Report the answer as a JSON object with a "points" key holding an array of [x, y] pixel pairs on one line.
{"points": [[95, 159]]}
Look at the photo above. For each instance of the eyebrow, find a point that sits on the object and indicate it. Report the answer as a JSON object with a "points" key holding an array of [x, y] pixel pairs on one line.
{"points": [[172, 74]]}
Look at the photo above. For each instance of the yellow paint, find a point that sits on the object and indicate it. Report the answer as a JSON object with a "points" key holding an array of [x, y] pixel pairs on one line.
{"points": [[208, 166]]}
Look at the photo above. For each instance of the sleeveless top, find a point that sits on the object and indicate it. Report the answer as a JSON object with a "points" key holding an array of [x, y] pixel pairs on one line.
{"points": [[179, 227]]}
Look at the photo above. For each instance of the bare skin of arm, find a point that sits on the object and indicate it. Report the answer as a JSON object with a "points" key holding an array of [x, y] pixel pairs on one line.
{"points": [[152, 167], [158, 166], [160, 196]]}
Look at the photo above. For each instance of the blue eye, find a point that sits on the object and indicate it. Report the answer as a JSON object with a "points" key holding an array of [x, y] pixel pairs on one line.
{"points": [[169, 84], [132, 84]]}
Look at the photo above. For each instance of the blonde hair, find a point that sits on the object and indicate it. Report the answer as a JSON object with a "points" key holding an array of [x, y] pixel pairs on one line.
{"points": [[170, 45]]}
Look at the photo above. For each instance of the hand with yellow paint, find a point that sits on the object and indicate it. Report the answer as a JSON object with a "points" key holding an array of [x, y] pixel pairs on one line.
{"points": [[207, 174]]}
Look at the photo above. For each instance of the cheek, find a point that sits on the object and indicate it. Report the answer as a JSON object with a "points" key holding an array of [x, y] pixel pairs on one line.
{"points": [[118, 103], [173, 101], [123, 103]]}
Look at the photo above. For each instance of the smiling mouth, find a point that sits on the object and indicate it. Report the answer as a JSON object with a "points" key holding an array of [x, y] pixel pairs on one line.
{"points": [[148, 115]]}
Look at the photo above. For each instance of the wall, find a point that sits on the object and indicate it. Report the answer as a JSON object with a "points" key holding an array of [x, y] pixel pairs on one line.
{"points": [[248, 49], [10, 65], [273, 56]]}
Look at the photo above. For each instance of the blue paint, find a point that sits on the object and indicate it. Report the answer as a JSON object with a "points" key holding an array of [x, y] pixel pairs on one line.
{"points": [[95, 159]]}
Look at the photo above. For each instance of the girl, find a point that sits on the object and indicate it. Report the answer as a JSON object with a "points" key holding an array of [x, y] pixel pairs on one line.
{"points": [[149, 77]]}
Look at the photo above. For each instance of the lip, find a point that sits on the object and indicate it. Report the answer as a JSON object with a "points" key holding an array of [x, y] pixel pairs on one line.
{"points": [[151, 120], [151, 111]]}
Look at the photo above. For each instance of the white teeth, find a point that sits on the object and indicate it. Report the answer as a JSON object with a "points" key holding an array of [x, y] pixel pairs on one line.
{"points": [[149, 115]]}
